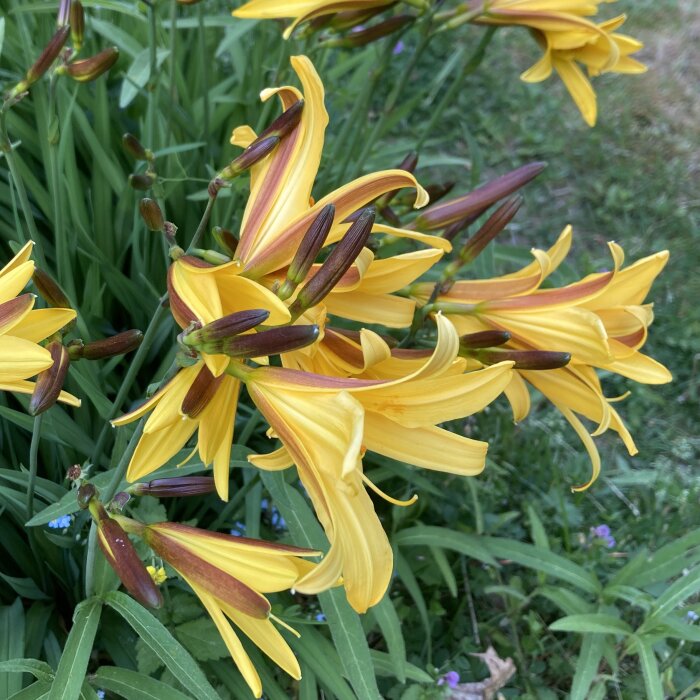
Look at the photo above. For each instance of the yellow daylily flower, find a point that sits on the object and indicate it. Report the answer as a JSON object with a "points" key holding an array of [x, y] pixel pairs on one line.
{"points": [[22, 328]]}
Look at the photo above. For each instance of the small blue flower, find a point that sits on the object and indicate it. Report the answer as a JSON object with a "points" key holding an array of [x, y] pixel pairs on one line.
{"points": [[264, 504], [610, 541], [61, 523], [451, 678], [101, 694], [320, 617], [239, 529], [398, 47], [692, 616], [601, 531]]}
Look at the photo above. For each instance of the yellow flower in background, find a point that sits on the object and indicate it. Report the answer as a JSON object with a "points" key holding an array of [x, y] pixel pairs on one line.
{"points": [[230, 575], [570, 41], [22, 328]]}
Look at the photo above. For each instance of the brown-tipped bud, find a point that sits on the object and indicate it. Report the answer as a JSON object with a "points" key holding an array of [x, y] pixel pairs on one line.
{"points": [[175, 487], [362, 37], [91, 68], [118, 344], [49, 289], [353, 18], [85, 494], [477, 201], [47, 57], [257, 150], [483, 339], [141, 181], [200, 393], [409, 164], [336, 264], [226, 327], [493, 226], [133, 146], [285, 122], [151, 214], [118, 503], [453, 230], [64, 11], [388, 214], [77, 24], [309, 248], [226, 240], [524, 359], [50, 382], [122, 557], [274, 341], [437, 191]]}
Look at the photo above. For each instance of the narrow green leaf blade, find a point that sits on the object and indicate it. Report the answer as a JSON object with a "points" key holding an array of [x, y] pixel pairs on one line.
{"points": [[133, 685], [591, 622], [587, 665]]}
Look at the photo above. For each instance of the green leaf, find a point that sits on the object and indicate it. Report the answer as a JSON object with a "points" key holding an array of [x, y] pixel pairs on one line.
{"points": [[165, 646], [384, 666], [12, 634], [25, 587], [591, 622], [201, 638], [76, 652], [444, 566], [543, 560], [676, 593], [39, 669], [138, 74], [344, 622], [650, 670], [537, 531], [390, 625], [36, 691], [587, 665], [429, 536], [133, 685]]}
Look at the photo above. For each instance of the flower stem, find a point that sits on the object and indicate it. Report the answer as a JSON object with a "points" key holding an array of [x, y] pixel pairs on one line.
{"points": [[194, 243], [33, 464]]}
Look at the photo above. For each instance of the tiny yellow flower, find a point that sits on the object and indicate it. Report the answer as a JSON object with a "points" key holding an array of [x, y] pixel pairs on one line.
{"points": [[158, 575]]}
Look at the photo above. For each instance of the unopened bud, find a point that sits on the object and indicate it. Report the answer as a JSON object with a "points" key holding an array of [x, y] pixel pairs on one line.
{"points": [[226, 327], [85, 494], [524, 359], [91, 68], [141, 181], [118, 344], [483, 339], [151, 214], [493, 226], [64, 11], [200, 393], [453, 230], [362, 37], [353, 18], [175, 487], [437, 191], [409, 164], [477, 201], [285, 122], [135, 147], [336, 264], [77, 24], [118, 503], [74, 472], [48, 55], [49, 383], [274, 341], [49, 289], [388, 214], [309, 248], [257, 150], [226, 240]]}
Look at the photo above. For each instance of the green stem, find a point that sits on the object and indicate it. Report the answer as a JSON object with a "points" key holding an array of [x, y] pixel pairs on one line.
{"points": [[205, 60], [33, 464], [134, 367], [448, 98], [194, 243], [153, 80], [107, 493]]}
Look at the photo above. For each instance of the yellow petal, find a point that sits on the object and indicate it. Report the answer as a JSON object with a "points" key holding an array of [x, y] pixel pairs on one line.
{"points": [[518, 396], [19, 259], [394, 273], [579, 88], [21, 358], [39, 324], [539, 71], [385, 309], [168, 412], [155, 449], [588, 443], [197, 288], [433, 241], [641, 368], [274, 461], [22, 386], [14, 278], [240, 294]]}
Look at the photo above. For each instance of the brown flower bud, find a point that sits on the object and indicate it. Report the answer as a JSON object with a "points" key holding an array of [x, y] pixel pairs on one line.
{"points": [[50, 382], [362, 37], [118, 344], [226, 240], [47, 57], [77, 24], [226, 327], [285, 122], [524, 359], [388, 214], [175, 487], [151, 214], [85, 495], [493, 226], [309, 248], [453, 230], [64, 10], [200, 393], [49, 289], [438, 191], [257, 150], [89, 69], [477, 201], [141, 181], [483, 339], [336, 264], [135, 148], [274, 341]]}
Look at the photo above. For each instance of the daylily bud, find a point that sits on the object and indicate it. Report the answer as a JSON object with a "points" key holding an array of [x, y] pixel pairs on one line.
{"points": [[50, 382], [43, 63], [362, 37], [122, 557], [477, 201], [483, 339], [118, 344], [49, 289], [141, 181], [493, 226], [274, 341], [135, 148], [200, 393], [77, 24], [175, 487], [118, 503], [64, 11], [390, 215], [306, 254], [453, 230], [438, 191], [226, 327], [91, 68], [336, 264], [227, 240], [285, 122], [524, 359], [257, 150], [151, 214], [352, 18], [85, 494]]}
